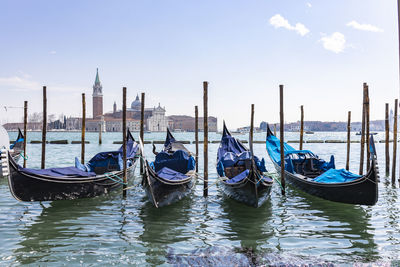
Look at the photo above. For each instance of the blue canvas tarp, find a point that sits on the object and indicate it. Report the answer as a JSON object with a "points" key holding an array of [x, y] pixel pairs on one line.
{"points": [[179, 161], [59, 172], [110, 158], [171, 175], [238, 177], [232, 152], [336, 176], [294, 156]]}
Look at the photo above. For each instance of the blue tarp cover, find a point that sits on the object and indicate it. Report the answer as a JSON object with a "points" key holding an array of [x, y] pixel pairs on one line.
{"points": [[231, 151], [293, 155], [171, 175], [336, 176], [274, 150], [59, 172], [238, 177], [104, 159], [179, 161]]}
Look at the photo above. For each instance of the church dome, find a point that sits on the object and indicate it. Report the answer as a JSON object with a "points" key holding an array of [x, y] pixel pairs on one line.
{"points": [[136, 104]]}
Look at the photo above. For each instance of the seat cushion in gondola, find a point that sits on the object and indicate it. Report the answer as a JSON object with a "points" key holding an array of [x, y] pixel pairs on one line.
{"points": [[336, 176], [171, 175], [58, 172], [238, 177]]}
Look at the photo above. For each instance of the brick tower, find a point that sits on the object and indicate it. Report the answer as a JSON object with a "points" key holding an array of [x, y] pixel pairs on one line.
{"points": [[97, 97]]}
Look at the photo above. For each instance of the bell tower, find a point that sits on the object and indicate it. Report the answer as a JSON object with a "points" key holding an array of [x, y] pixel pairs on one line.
{"points": [[97, 97]]}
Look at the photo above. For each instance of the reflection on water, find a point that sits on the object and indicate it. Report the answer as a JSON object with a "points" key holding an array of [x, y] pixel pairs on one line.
{"points": [[111, 230], [250, 226], [161, 226]]}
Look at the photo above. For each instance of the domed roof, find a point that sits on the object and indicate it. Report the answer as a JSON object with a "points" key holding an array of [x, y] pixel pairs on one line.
{"points": [[136, 104]]}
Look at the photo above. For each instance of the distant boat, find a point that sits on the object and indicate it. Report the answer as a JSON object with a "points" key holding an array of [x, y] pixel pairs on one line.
{"points": [[359, 133], [309, 132]]}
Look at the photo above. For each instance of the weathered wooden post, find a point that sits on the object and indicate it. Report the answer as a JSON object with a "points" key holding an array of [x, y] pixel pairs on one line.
{"points": [[44, 128], [142, 130], [362, 132], [83, 129], [394, 142], [251, 130], [301, 126], [25, 129], [387, 156], [196, 135], [275, 129], [205, 152], [100, 133], [124, 138], [348, 140], [367, 137], [282, 128]]}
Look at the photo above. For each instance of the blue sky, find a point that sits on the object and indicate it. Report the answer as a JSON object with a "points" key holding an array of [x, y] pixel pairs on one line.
{"points": [[322, 51]]}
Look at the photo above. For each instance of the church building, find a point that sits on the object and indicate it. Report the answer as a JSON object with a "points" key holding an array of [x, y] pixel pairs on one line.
{"points": [[155, 120]]}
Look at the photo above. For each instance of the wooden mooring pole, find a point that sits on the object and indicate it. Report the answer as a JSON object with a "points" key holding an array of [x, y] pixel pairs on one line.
{"points": [[362, 133], [301, 126], [348, 140], [367, 137], [205, 130], [196, 135], [25, 129], [282, 128], [394, 142], [387, 155], [251, 130], [142, 130], [83, 129], [124, 139], [44, 128], [100, 133], [275, 129]]}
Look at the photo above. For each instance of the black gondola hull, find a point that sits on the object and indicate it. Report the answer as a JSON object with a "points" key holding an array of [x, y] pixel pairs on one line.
{"points": [[247, 192], [363, 191], [25, 187], [163, 193]]}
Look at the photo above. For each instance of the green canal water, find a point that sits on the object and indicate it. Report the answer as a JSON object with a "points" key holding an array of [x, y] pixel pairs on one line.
{"points": [[112, 230]]}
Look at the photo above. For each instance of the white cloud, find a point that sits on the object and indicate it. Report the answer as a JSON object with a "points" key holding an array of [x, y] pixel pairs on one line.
{"points": [[309, 4], [335, 42], [17, 83], [278, 21], [52, 52], [363, 27]]}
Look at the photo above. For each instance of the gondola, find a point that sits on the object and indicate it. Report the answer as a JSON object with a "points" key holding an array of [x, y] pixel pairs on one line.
{"points": [[18, 146], [171, 176], [241, 174], [100, 175], [306, 171]]}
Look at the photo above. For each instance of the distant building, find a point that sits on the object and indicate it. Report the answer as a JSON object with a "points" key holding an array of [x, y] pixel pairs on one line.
{"points": [[97, 97], [31, 126], [187, 123], [155, 119]]}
